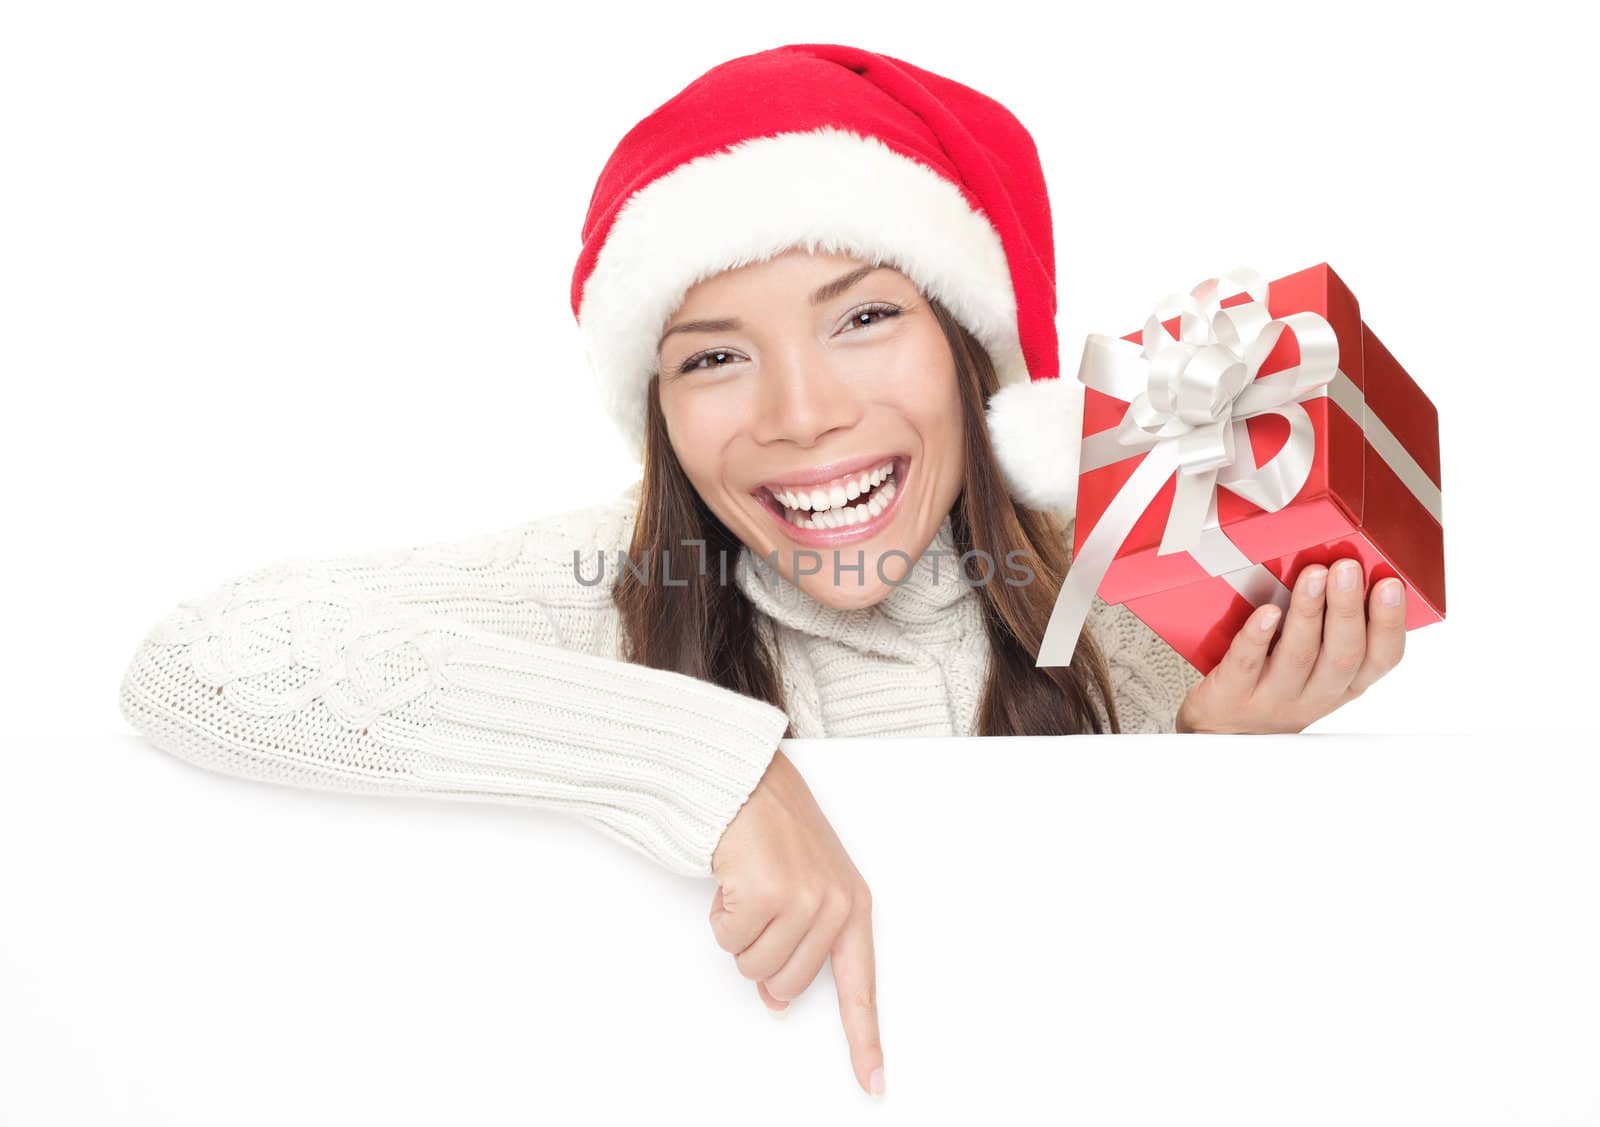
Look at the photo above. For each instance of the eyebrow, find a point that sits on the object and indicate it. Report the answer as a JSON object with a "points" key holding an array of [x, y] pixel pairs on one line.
{"points": [[726, 324]]}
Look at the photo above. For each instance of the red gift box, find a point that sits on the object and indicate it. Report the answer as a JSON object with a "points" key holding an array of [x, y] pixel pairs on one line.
{"points": [[1264, 428]]}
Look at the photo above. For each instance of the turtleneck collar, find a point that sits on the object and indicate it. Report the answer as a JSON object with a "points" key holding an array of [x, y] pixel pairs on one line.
{"points": [[931, 606]]}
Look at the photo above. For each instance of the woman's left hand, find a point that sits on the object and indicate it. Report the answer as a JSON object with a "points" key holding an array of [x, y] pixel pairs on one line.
{"points": [[1333, 646]]}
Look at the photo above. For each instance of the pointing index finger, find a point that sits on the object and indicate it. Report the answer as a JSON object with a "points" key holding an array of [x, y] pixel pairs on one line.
{"points": [[855, 977]]}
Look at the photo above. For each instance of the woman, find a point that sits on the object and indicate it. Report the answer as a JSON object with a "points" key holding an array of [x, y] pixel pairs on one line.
{"points": [[817, 287]]}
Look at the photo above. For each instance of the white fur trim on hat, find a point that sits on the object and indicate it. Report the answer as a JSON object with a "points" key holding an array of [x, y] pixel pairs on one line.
{"points": [[1036, 429], [829, 190]]}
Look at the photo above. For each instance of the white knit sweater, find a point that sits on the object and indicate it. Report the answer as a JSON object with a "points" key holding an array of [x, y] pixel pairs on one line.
{"points": [[485, 670]]}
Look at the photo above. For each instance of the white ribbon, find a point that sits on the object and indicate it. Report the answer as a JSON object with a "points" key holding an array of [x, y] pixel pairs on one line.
{"points": [[1188, 399]]}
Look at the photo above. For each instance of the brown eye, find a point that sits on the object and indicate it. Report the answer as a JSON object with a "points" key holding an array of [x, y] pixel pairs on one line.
{"points": [[869, 315], [700, 357]]}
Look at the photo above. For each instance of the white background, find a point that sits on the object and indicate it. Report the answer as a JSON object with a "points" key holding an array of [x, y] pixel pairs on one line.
{"points": [[294, 278]]}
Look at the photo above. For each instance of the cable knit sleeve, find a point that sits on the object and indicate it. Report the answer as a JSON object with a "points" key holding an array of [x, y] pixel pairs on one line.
{"points": [[1149, 676], [479, 670]]}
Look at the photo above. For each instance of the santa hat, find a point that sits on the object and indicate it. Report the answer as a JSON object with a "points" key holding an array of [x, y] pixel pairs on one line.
{"points": [[843, 151]]}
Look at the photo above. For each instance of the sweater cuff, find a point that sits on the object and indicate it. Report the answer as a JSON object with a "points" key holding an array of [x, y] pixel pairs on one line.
{"points": [[659, 759]]}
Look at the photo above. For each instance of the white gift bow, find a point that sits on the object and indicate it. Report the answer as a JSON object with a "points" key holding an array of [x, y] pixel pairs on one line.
{"points": [[1188, 399]]}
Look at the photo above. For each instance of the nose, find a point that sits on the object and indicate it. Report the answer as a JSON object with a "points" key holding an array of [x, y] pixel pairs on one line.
{"points": [[802, 397]]}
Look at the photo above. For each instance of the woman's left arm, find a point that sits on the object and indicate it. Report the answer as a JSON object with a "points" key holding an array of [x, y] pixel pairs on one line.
{"points": [[1150, 678], [1336, 641]]}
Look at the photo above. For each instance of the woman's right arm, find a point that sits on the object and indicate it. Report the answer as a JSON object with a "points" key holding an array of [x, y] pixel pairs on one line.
{"points": [[480, 671]]}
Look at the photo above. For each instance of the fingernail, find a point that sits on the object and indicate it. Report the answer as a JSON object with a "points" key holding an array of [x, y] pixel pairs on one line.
{"points": [[1348, 572], [1316, 581], [875, 1082], [1269, 617], [1394, 592], [778, 1013]]}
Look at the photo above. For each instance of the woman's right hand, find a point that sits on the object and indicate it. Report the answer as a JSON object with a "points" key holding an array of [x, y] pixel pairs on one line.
{"points": [[788, 898]]}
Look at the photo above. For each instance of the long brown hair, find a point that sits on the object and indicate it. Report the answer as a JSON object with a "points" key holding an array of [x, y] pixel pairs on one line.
{"points": [[706, 628]]}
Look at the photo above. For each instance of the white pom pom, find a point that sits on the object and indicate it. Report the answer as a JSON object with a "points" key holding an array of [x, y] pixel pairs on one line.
{"points": [[1036, 427]]}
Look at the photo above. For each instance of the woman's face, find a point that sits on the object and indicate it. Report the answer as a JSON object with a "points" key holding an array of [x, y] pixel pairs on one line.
{"points": [[787, 386]]}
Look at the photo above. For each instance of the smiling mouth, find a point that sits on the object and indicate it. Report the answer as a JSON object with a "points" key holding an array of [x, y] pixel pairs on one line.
{"points": [[859, 500]]}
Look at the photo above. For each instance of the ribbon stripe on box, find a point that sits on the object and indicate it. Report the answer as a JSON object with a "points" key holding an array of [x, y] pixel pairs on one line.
{"points": [[1188, 399]]}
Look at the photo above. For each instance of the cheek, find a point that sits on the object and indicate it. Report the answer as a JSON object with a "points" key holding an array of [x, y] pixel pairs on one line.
{"points": [[701, 422], [922, 388]]}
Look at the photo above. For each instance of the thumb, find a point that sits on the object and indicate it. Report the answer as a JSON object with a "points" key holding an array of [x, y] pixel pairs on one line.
{"points": [[775, 1007]]}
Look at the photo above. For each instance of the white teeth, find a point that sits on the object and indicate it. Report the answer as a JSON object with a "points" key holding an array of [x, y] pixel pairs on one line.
{"points": [[837, 497], [832, 508], [840, 518]]}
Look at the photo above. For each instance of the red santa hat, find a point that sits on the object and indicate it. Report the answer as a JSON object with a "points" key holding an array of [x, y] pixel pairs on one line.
{"points": [[843, 151]]}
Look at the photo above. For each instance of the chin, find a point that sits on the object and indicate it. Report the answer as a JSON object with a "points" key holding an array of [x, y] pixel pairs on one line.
{"points": [[846, 595]]}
